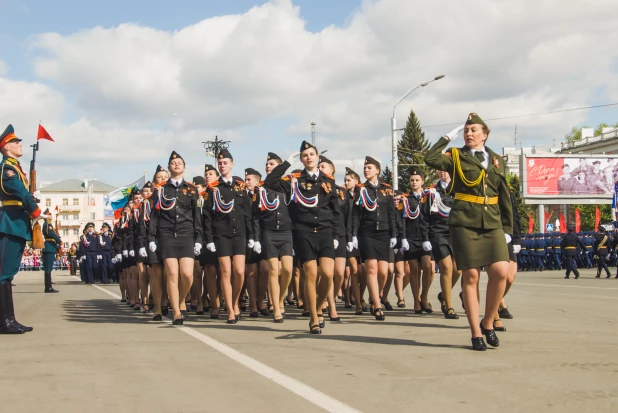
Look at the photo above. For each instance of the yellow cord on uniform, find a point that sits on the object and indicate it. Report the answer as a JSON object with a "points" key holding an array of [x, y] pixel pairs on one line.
{"points": [[457, 169]]}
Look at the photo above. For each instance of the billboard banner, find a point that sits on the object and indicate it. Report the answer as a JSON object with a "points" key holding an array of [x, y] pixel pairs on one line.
{"points": [[569, 176]]}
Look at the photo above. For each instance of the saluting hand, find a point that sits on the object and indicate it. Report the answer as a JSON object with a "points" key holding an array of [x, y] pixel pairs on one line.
{"points": [[453, 134], [293, 157]]}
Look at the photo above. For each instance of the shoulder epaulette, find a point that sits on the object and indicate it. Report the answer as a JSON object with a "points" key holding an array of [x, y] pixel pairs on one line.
{"points": [[290, 176]]}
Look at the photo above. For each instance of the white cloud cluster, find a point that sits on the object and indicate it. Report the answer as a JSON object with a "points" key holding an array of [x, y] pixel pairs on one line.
{"points": [[123, 94]]}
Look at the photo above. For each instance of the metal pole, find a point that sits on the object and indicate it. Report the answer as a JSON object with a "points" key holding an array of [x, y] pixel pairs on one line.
{"points": [[395, 156], [541, 218]]}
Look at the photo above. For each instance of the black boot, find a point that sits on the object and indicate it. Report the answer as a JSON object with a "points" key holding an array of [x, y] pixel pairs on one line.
{"points": [[11, 307], [48, 283], [7, 326]]}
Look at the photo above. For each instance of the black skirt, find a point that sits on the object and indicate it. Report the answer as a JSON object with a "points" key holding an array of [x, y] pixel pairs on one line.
{"points": [[440, 246], [277, 244], [416, 251], [375, 246], [230, 246], [179, 247], [208, 258], [342, 251]]}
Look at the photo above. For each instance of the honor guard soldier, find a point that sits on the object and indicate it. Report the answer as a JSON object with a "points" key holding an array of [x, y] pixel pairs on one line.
{"points": [[52, 244], [601, 251], [569, 245], [105, 253], [17, 208]]}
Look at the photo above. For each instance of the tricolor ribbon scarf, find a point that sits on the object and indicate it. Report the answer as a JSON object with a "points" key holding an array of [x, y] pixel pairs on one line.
{"points": [[407, 211], [437, 205], [219, 205], [164, 203], [299, 198], [366, 201], [265, 204]]}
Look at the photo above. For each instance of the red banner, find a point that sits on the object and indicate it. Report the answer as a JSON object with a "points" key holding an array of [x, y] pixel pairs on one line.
{"points": [[570, 176], [578, 221], [42, 134], [563, 225], [547, 216], [597, 219], [530, 223]]}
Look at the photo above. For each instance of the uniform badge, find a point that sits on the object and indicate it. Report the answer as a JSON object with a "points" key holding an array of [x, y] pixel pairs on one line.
{"points": [[302, 185], [326, 187], [254, 197], [9, 173], [383, 192], [184, 191], [309, 186], [389, 192], [342, 195], [400, 206], [496, 162]]}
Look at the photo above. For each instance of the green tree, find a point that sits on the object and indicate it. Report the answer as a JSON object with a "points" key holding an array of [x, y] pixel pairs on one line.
{"points": [[523, 210], [387, 175], [587, 214], [411, 153], [599, 129], [575, 134]]}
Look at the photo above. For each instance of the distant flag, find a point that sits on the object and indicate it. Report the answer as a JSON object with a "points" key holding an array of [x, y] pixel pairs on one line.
{"points": [[563, 225], [120, 197], [42, 134], [597, 218], [530, 223], [578, 221]]}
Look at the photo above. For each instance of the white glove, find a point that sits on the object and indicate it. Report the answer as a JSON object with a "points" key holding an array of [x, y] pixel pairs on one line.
{"points": [[125, 253], [516, 249], [197, 249], [132, 253], [142, 252], [99, 257], [393, 242], [426, 246], [336, 243], [508, 238], [453, 134], [152, 246], [118, 257], [257, 247], [405, 246], [355, 242], [251, 243], [293, 253], [350, 246], [293, 157], [211, 247], [114, 260]]}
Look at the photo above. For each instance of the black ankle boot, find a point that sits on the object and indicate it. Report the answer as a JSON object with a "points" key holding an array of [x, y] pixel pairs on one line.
{"points": [[11, 307], [7, 325], [48, 283]]}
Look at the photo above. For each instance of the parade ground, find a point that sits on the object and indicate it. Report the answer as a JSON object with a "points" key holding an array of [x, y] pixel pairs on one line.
{"points": [[90, 353]]}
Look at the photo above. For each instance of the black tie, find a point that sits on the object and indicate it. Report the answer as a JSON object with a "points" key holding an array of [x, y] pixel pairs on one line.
{"points": [[480, 156]]}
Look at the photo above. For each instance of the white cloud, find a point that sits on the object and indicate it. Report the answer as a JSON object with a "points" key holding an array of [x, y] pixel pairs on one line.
{"points": [[234, 75]]}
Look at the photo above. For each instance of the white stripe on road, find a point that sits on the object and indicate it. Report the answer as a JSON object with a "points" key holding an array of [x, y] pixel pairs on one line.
{"points": [[306, 392], [565, 286]]}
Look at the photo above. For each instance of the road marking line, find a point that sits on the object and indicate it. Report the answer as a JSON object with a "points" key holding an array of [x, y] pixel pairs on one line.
{"points": [[306, 392], [565, 286]]}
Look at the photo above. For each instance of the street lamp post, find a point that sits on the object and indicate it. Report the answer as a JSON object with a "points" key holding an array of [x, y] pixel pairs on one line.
{"points": [[213, 148], [394, 131]]}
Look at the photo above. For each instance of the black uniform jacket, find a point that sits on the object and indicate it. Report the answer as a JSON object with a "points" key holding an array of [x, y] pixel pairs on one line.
{"points": [[324, 216], [270, 218], [569, 244], [435, 222], [414, 226], [382, 218], [237, 221]]}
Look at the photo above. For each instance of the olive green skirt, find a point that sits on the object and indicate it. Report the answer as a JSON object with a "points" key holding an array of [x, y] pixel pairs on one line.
{"points": [[477, 247]]}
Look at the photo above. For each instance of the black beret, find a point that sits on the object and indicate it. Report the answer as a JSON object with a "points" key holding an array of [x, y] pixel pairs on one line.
{"points": [[147, 185], [251, 171], [274, 156], [199, 180], [416, 171], [306, 145], [225, 154], [324, 159], [349, 171], [370, 161], [208, 167], [175, 155]]}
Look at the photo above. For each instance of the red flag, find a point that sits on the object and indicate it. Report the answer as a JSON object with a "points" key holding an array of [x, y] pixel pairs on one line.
{"points": [[530, 223], [578, 221], [563, 225], [56, 208], [547, 216], [597, 219], [42, 134]]}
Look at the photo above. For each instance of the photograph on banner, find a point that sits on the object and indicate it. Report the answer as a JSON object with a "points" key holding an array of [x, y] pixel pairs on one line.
{"points": [[563, 176]]}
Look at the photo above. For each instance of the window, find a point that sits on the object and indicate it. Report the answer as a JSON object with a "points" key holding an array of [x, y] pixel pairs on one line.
{"points": [[65, 201], [47, 202], [65, 217], [75, 201], [93, 216], [75, 231], [76, 217], [66, 245], [65, 232]]}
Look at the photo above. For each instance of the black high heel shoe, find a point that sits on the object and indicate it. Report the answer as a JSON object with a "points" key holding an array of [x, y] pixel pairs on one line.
{"points": [[178, 322], [478, 344], [331, 318], [379, 314], [322, 324], [315, 329], [427, 309], [490, 335]]}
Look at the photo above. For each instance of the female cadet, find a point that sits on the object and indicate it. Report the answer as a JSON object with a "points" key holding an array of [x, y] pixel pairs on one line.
{"points": [[208, 258], [402, 269], [131, 244], [418, 258], [481, 220], [435, 212], [124, 254], [228, 230], [199, 286], [350, 181], [374, 229], [314, 211], [272, 229], [175, 229], [345, 223]]}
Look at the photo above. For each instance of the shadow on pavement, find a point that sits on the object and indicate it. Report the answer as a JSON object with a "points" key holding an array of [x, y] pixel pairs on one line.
{"points": [[100, 311], [371, 340]]}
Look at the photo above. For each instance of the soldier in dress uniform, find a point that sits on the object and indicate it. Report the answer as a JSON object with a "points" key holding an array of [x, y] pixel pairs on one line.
{"points": [[91, 251], [228, 230], [580, 185], [565, 182], [357, 285], [569, 245], [105, 248], [17, 208], [208, 258], [594, 178], [52, 245], [601, 251], [481, 220], [582, 168]]}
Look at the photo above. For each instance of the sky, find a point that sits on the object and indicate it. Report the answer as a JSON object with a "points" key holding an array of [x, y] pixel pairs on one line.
{"points": [[119, 85]]}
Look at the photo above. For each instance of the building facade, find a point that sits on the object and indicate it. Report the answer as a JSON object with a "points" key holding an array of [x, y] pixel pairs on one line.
{"points": [[78, 202]]}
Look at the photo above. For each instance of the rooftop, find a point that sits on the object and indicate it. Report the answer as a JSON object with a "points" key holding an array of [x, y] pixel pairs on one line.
{"points": [[77, 185]]}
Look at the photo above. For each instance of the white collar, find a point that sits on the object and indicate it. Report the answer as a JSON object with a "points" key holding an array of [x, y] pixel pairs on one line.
{"points": [[175, 182]]}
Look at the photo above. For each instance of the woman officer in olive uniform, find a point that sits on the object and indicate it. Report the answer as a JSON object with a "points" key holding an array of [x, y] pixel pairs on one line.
{"points": [[175, 228], [374, 229], [481, 220]]}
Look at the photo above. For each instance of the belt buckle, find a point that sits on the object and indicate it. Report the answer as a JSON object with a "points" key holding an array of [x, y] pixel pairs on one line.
{"points": [[486, 200]]}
